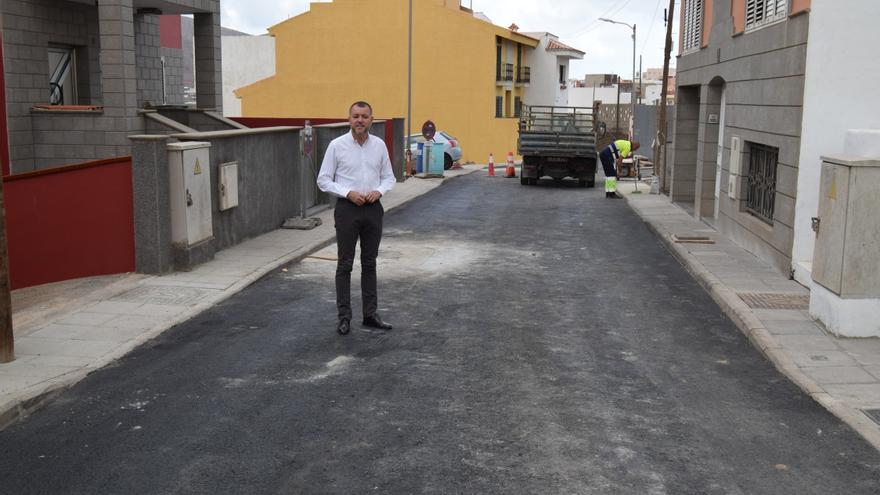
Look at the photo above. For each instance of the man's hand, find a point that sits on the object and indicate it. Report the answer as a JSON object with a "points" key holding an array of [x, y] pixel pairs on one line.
{"points": [[372, 196], [356, 198]]}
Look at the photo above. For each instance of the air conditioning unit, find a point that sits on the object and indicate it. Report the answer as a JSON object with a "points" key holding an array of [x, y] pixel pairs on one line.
{"points": [[735, 155]]}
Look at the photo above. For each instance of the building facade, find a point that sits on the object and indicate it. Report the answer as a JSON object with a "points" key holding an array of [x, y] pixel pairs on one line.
{"points": [[246, 59], [737, 131], [78, 75], [468, 75], [550, 63]]}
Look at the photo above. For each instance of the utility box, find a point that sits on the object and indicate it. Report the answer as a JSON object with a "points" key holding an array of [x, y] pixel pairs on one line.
{"points": [[846, 259], [228, 184], [434, 158], [190, 183]]}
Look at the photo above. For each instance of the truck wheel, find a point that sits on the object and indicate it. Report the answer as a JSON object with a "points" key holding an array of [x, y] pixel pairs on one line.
{"points": [[523, 180]]}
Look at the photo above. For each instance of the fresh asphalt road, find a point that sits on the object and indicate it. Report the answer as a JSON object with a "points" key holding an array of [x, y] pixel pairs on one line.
{"points": [[544, 342]]}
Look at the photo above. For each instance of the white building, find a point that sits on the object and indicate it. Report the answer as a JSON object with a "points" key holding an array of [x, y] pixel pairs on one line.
{"points": [[549, 64], [246, 59], [842, 66]]}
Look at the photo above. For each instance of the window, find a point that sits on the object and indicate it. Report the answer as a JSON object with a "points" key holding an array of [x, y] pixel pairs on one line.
{"points": [[761, 12], [62, 75], [499, 106], [761, 191], [692, 28], [517, 106], [561, 74]]}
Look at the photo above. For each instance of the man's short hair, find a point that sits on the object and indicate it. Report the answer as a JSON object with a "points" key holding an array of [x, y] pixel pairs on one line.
{"points": [[360, 104]]}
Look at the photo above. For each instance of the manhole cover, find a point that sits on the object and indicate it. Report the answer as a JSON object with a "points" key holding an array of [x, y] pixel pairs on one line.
{"points": [[775, 300], [157, 294], [874, 414]]}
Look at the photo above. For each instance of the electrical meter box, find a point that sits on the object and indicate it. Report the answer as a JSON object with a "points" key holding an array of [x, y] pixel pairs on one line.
{"points": [[846, 258], [190, 190]]}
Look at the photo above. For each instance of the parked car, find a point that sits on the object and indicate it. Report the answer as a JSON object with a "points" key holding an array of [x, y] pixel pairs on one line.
{"points": [[451, 147]]}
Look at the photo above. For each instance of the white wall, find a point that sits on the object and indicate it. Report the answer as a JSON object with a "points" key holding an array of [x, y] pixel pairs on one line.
{"points": [[246, 59], [843, 67], [583, 97], [545, 88]]}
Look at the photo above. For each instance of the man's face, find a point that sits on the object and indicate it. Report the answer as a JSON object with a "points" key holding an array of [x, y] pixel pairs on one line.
{"points": [[360, 119]]}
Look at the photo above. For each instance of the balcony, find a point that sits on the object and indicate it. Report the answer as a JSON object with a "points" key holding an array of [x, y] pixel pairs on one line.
{"points": [[504, 72], [524, 74]]}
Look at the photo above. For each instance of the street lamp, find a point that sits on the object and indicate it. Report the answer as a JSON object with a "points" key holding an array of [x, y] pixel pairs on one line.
{"points": [[633, 99]]}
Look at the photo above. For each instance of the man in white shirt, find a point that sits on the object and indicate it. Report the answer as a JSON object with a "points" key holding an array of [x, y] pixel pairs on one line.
{"points": [[357, 170]]}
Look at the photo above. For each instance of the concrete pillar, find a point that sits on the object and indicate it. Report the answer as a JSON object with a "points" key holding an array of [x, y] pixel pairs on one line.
{"points": [[684, 163], [152, 205], [209, 80], [707, 151], [118, 73]]}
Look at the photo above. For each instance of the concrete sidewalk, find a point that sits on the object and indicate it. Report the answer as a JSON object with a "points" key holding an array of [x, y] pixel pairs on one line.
{"points": [[841, 374], [65, 331]]}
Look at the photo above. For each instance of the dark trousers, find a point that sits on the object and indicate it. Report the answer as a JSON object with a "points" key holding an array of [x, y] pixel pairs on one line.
{"points": [[607, 159], [352, 223]]}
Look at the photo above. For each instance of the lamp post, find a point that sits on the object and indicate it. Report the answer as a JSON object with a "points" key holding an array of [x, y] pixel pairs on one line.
{"points": [[633, 99]]}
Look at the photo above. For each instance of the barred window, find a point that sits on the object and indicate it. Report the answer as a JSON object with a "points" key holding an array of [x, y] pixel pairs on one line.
{"points": [[692, 26], [761, 12], [517, 106], [761, 191], [499, 106]]}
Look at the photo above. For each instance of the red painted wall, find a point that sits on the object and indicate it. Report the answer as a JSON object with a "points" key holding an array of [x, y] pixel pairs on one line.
{"points": [[70, 222], [170, 34]]}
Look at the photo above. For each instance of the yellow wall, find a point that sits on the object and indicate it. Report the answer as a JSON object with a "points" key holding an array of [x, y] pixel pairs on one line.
{"points": [[351, 50]]}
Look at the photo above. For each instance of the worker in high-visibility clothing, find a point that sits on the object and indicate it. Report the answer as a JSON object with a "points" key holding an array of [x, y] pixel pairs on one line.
{"points": [[611, 157]]}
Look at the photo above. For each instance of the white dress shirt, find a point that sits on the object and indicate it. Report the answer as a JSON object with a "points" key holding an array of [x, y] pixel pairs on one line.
{"points": [[349, 166]]}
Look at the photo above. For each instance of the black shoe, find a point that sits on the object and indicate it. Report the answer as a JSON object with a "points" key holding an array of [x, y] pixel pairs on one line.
{"points": [[375, 322], [343, 327]]}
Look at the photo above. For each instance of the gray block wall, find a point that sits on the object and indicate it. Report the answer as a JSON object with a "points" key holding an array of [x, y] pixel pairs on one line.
{"points": [[762, 72], [29, 27], [118, 67], [148, 60]]}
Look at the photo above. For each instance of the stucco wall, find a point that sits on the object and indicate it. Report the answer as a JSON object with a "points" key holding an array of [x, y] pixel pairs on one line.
{"points": [[323, 64], [842, 66], [246, 59]]}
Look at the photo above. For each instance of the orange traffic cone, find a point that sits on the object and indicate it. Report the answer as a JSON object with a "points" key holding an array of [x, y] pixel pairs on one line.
{"points": [[511, 171], [491, 165]]}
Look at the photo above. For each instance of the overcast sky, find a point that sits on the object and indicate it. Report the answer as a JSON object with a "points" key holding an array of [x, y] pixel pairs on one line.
{"points": [[608, 47]]}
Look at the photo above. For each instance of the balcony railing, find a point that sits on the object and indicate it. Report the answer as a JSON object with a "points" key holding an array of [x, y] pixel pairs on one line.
{"points": [[524, 74], [504, 72]]}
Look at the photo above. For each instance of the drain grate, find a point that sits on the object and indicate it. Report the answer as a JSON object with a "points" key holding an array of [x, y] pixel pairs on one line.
{"points": [[691, 239], [775, 300], [874, 414]]}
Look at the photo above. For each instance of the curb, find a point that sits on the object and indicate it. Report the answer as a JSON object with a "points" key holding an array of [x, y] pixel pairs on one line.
{"points": [[749, 324], [44, 393]]}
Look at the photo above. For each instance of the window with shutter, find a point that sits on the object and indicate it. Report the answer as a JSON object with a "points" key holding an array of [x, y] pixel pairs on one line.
{"points": [[763, 12], [692, 30]]}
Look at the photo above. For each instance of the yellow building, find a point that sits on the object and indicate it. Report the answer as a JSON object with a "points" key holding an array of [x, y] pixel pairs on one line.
{"points": [[468, 74]]}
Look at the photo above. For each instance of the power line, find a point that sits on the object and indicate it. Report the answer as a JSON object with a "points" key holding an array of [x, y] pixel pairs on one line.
{"points": [[614, 7], [653, 20]]}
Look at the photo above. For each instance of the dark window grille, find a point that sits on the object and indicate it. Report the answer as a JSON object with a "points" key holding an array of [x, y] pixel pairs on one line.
{"points": [[508, 72], [499, 106], [517, 106], [524, 74], [761, 192]]}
